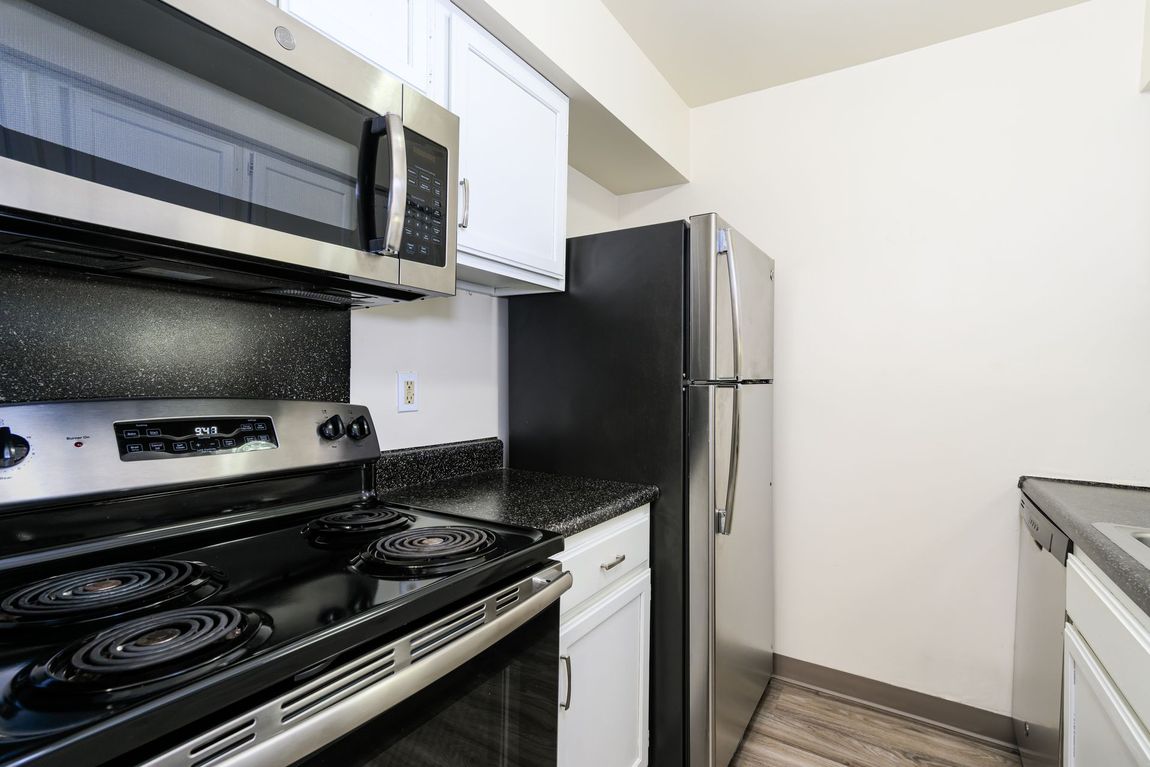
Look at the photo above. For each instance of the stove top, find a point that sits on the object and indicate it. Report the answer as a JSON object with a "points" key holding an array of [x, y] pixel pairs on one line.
{"points": [[107, 642], [131, 615]]}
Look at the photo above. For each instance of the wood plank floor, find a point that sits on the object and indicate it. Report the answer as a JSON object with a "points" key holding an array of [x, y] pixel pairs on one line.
{"points": [[798, 727]]}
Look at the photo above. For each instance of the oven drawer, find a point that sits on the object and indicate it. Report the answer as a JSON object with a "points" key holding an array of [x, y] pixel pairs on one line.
{"points": [[604, 555]]}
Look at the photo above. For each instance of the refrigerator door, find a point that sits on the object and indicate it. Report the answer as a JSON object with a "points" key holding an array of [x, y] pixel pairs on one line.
{"points": [[731, 578], [732, 305]]}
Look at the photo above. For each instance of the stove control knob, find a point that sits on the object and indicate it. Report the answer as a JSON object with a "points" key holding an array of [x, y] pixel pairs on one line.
{"points": [[13, 448], [332, 429], [359, 428]]}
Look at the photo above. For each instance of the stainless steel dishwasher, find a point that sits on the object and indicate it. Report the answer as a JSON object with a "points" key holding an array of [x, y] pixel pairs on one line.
{"points": [[1039, 619]]}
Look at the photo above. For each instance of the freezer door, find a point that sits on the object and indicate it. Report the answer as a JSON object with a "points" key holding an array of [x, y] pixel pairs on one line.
{"points": [[732, 305], [731, 574]]}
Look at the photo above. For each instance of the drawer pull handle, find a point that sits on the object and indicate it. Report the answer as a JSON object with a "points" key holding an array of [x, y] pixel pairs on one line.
{"points": [[566, 704], [613, 564]]}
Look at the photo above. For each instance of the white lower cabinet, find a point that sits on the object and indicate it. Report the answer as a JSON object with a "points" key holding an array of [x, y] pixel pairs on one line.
{"points": [[605, 645], [1106, 672], [1099, 728], [604, 652]]}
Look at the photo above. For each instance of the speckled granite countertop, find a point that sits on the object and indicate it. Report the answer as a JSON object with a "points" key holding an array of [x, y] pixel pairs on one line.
{"points": [[1076, 506], [565, 505]]}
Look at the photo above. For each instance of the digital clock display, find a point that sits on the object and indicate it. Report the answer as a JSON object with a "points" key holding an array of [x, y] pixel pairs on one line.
{"points": [[178, 437]]}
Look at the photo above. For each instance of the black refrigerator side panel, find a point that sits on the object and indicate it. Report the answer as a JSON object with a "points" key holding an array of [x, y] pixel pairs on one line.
{"points": [[596, 389]]}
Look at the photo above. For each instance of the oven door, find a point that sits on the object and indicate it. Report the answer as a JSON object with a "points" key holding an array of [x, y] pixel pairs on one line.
{"points": [[476, 688], [496, 710], [230, 127]]}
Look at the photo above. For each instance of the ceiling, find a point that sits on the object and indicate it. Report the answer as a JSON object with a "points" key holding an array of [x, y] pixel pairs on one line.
{"points": [[711, 50]]}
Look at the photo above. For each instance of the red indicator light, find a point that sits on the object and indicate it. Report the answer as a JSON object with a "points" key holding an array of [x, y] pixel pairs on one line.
{"points": [[77, 444]]}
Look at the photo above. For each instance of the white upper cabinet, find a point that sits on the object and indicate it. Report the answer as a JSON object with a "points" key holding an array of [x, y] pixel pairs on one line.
{"points": [[513, 159], [393, 34], [513, 132]]}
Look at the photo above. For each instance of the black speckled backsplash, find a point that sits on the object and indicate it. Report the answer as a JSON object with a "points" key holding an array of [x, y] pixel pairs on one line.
{"points": [[417, 465], [64, 335]]}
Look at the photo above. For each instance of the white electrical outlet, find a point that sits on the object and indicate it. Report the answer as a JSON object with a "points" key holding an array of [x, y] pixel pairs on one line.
{"points": [[406, 392]]}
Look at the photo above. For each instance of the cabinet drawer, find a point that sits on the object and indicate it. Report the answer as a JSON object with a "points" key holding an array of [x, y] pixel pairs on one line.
{"points": [[1115, 635], [605, 555]]}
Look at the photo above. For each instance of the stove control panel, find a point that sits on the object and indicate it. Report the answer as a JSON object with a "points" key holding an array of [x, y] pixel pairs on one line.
{"points": [[56, 451], [150, 439]]}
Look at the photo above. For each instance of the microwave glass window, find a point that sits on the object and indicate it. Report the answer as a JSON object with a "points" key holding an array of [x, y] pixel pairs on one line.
{"points": [[134, 95]]}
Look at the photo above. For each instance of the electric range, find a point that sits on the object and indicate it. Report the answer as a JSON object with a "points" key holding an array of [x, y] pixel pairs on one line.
{"points": [[213, 582]]}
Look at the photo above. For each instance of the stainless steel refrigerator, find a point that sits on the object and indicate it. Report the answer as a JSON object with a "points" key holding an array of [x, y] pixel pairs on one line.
{"points": [[656, 366]]}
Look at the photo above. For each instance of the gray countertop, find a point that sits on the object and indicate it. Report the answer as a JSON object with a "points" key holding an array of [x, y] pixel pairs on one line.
{"points": [[561, 504], [1076, 506]]}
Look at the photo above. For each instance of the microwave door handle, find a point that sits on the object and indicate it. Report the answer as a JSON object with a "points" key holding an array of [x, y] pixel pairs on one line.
{"points": [[390, 126]]}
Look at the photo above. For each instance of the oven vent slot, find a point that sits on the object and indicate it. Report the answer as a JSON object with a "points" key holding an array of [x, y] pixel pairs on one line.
{"points": [[217, 745], [315, 295], [506, 599], [331, 688], [441, 634]]}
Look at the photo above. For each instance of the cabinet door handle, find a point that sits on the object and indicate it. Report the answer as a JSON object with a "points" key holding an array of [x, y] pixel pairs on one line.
{"points": [[466, 203], [613, 563], [566, 704]]}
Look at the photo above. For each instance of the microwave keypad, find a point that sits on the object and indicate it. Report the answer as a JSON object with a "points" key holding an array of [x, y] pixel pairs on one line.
{"points": [[424, 238]]}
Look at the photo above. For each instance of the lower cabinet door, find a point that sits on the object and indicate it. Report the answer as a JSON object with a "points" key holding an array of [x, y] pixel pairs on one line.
{"points": [[604, 651], [1099, 727]]}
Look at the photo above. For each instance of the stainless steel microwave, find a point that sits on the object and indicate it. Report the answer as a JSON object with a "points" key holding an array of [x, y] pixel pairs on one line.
{"points": [[223, 144]]}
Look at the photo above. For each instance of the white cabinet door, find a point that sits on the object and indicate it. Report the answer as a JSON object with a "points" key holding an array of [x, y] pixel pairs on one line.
{"points": [[390, 33], [603, 679], [513, 155], [1099, 728]]}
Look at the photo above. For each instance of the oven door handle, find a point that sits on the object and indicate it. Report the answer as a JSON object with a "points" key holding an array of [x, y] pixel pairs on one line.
{"points": [[281, 732], [390, 126]]}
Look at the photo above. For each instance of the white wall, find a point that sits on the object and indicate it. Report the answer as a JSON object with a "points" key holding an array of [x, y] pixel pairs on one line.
{"points": [[1146, 50], [962, 236], [458, 346], [591, 208]]}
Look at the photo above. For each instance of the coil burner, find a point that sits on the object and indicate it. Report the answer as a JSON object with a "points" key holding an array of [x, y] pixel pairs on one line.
{"points": [[352, 527], [427, 551], [76, 600]]}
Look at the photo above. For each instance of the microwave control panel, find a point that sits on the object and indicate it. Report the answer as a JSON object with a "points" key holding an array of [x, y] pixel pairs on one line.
{"points": [[424, 239], [179, 437]]}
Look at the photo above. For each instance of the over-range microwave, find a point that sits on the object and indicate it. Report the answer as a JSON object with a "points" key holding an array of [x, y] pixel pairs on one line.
{"points": [[225, 144]]}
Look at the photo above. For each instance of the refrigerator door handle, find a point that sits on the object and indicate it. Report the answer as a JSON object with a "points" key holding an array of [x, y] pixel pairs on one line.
{"points": [[727, 248], [725, 517]]}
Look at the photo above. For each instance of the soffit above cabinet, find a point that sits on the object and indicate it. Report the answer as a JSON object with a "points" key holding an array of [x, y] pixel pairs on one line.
{"points": [[629, 130]]}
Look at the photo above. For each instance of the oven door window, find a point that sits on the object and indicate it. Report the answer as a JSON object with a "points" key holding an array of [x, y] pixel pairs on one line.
{"points": [[134, 95], [497, 710]]}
